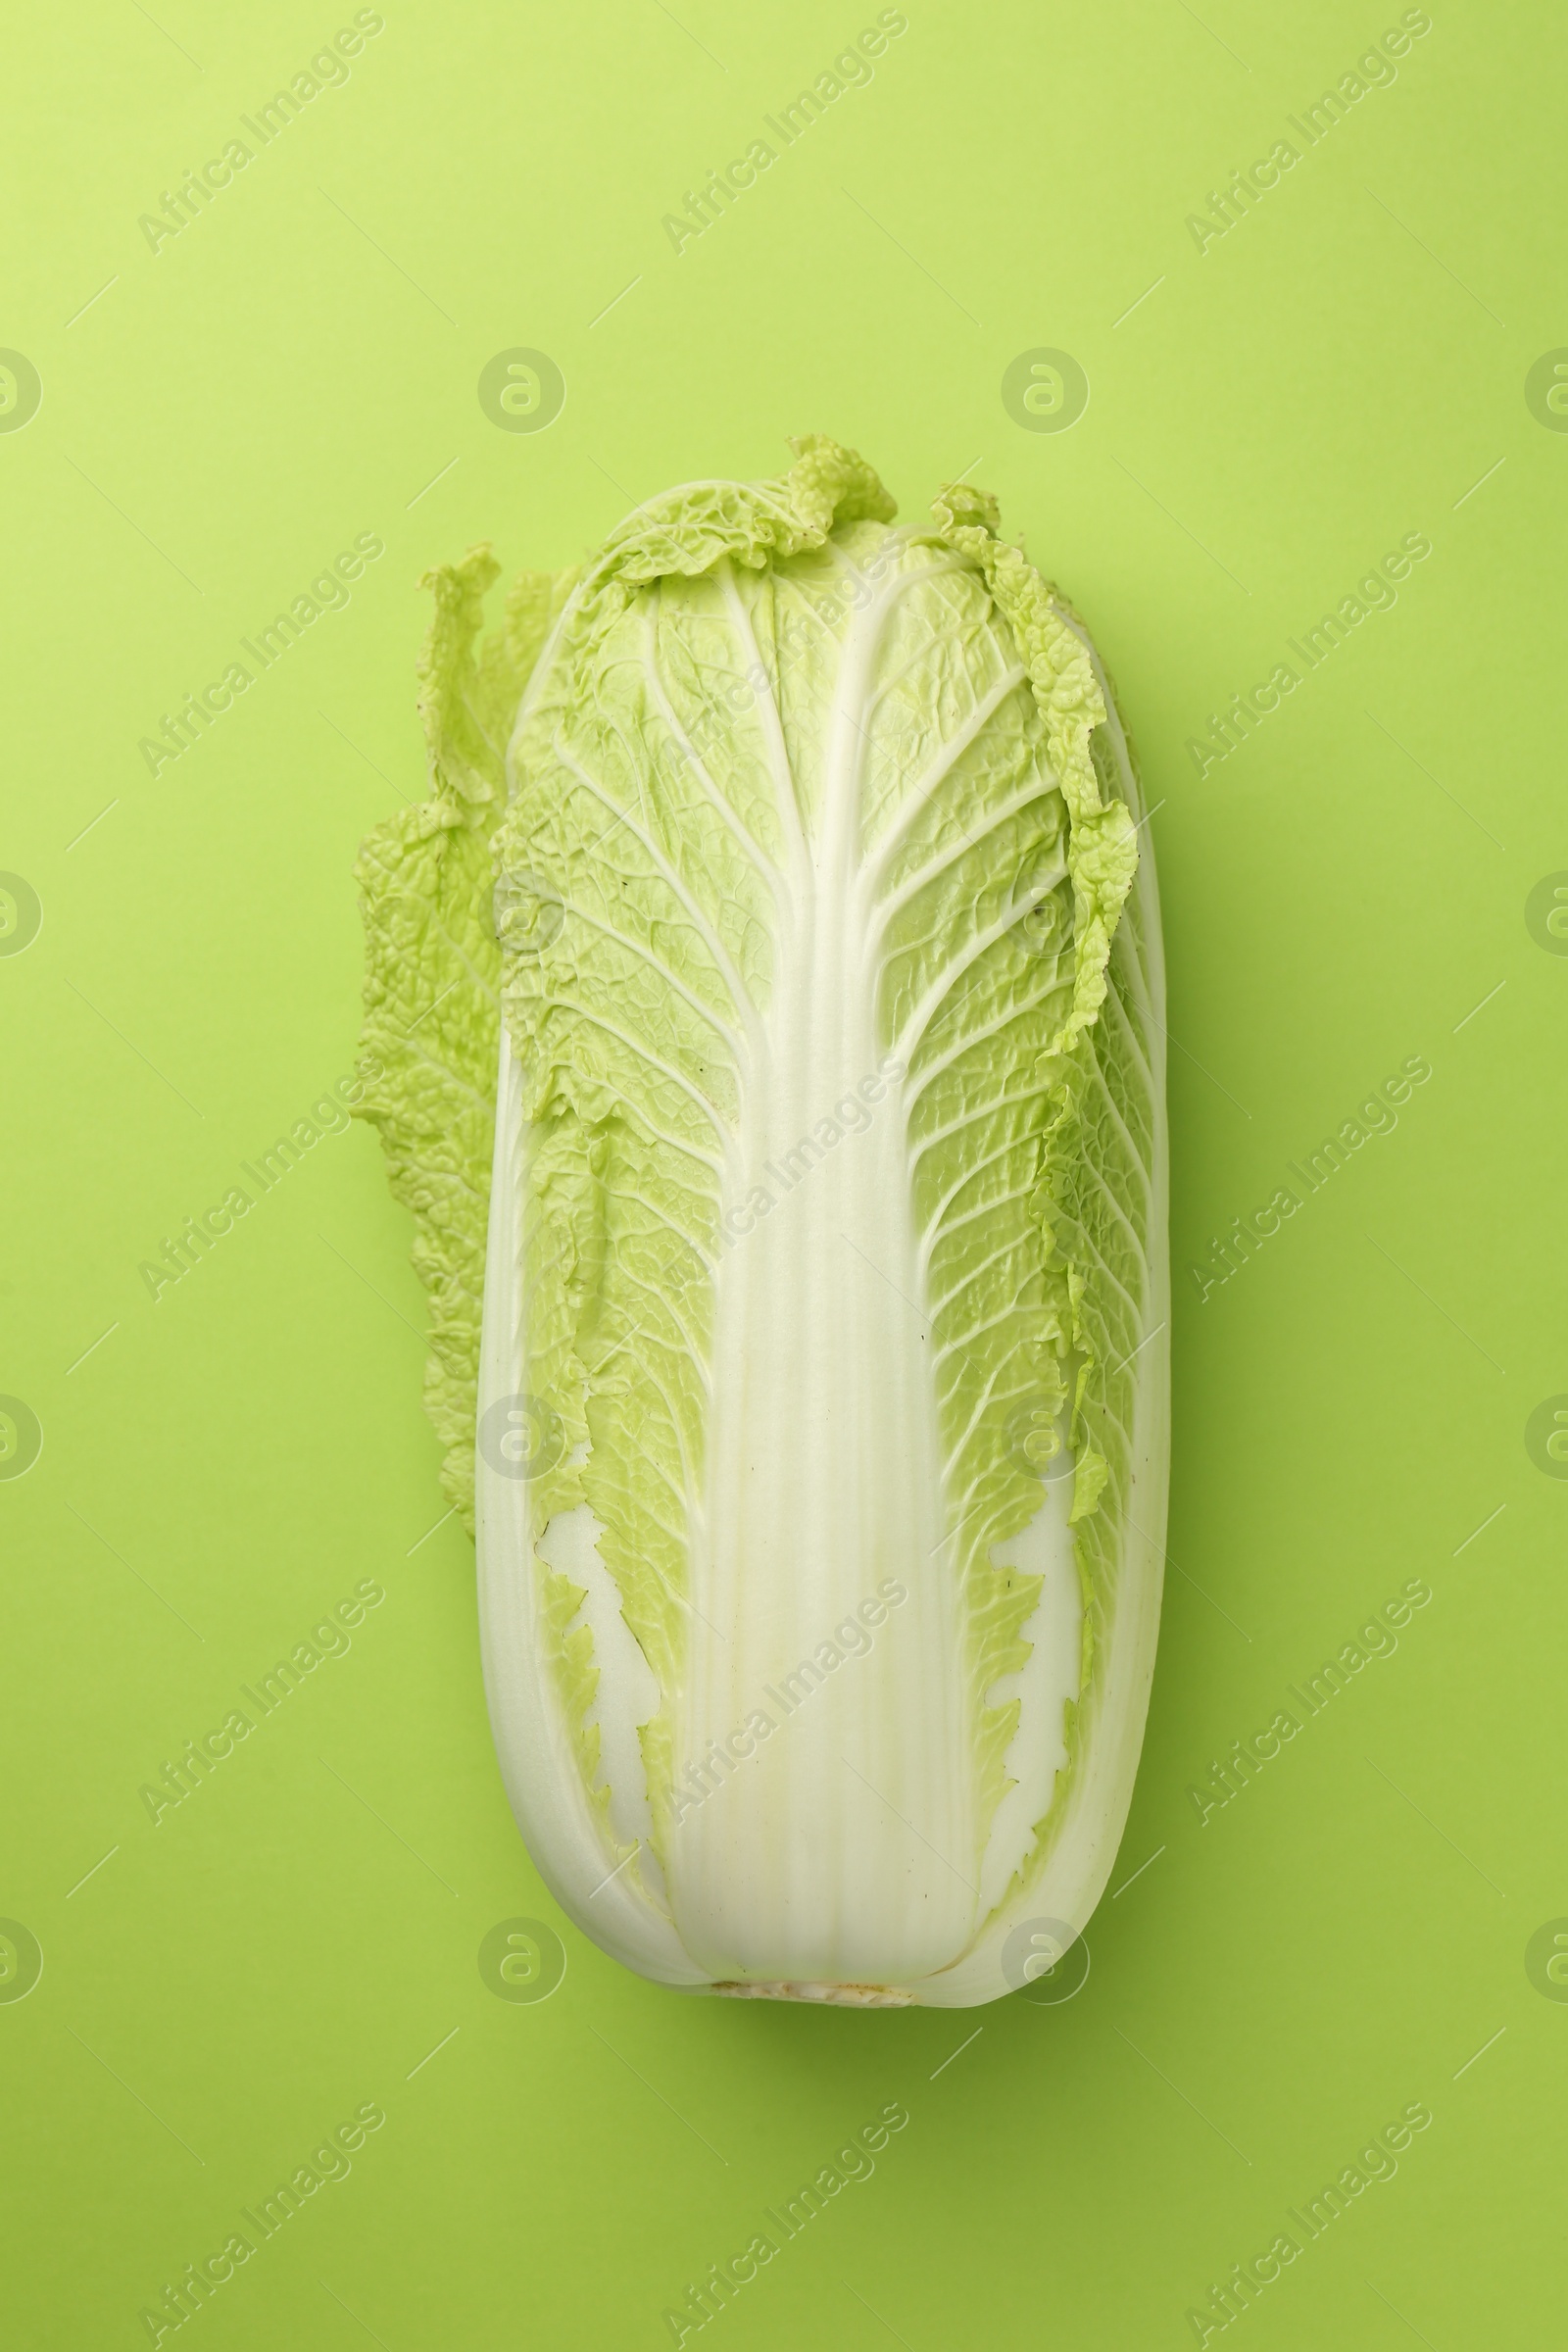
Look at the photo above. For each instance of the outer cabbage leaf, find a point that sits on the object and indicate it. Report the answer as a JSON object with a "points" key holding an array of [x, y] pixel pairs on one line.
{"points": [[432, 979]]}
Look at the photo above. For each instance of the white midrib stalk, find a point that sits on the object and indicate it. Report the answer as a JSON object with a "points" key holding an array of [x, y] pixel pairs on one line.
{"points": [[842, 1848]]}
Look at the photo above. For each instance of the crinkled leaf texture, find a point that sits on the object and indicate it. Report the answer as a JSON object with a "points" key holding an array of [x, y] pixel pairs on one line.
{"points": [[771, 1005]]}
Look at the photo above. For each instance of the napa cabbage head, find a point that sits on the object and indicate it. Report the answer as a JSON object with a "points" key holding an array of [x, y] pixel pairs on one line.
{"points": [[769, 1003]]}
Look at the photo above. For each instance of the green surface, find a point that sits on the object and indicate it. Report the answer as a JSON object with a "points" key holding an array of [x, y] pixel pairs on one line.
{"points": [[1370, 1400]]}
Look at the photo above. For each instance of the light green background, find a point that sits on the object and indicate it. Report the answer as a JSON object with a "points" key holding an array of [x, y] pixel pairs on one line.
{"points": [[1343, 367]]}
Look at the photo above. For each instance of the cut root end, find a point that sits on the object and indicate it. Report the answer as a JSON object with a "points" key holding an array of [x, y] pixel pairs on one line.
{"points": [[843, 1996]]}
